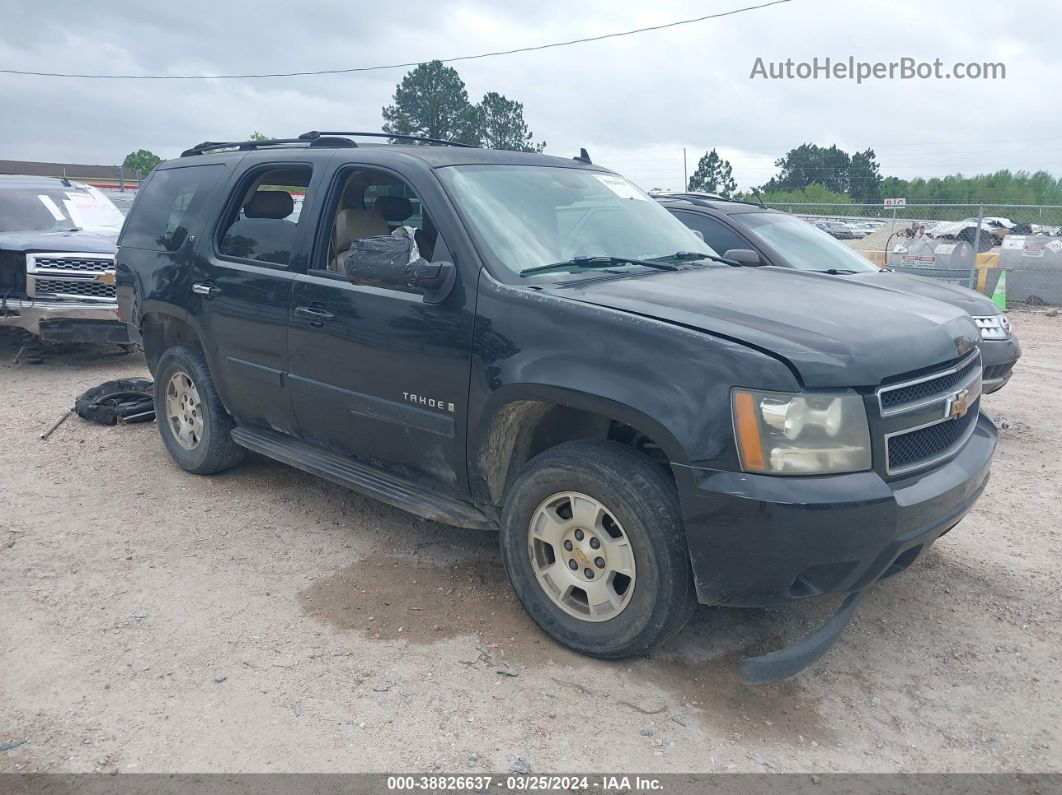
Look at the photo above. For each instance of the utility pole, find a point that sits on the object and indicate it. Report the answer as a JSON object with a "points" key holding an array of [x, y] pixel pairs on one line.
{"points": [[685, 175]]}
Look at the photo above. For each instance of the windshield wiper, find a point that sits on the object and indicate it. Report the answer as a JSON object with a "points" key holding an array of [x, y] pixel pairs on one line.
{"points": [[596, 262], [837, 271], [692, 255]]}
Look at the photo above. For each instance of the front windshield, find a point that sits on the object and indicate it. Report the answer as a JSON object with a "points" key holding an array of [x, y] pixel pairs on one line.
{"points": [[804, 245], [57, 209], [533, 216]]}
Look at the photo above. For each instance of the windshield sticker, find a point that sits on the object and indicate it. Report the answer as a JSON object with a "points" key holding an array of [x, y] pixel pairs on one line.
{"points": [[51, 207], [620, 187], [91, 210]]}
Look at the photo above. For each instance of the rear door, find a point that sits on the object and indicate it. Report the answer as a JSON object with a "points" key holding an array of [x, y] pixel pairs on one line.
{"points": [[375, 372], [243, 277]]}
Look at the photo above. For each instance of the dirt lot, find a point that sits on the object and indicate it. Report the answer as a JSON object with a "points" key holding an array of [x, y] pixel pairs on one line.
{"points": [[263, 620]]}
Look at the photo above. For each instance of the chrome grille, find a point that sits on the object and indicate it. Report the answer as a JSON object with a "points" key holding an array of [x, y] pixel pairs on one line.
{"points": [[915, 449], [928, 419], [59, 288], [898, 398], [65, 276], [78, 264]]}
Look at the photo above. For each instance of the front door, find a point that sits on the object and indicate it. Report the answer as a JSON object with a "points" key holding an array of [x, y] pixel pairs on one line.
{"points": [[376, 373], [244, 276]]}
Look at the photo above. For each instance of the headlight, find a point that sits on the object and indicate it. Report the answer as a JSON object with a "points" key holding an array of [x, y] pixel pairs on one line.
{"points": [[811, 434], [993, 327]]}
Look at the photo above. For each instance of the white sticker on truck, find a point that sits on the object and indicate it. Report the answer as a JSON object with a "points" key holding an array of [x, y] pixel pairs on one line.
{"points": [[51, 207], [621, 187]]}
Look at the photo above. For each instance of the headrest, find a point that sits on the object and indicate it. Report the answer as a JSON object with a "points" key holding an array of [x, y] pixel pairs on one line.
{"points": [[394, 208], [269, 204], [353, 224]]}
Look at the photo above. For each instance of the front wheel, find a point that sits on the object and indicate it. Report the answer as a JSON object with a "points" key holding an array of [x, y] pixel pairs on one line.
{"points": [[193, 423], [593, 543]]}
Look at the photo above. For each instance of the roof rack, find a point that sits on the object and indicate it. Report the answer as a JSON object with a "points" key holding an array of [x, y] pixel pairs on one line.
{"points": [[703, 197], [338, 140], [314, 135]]}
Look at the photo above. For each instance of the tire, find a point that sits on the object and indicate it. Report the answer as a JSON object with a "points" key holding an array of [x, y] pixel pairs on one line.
{"points": [[558, 488], [204, 446]]}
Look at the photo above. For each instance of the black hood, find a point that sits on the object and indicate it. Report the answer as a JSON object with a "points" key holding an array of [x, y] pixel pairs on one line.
{"points": [[81, 242], [969, 301], [833, 332]]}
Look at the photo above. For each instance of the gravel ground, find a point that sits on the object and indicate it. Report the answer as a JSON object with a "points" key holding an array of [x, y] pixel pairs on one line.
{"points": [[263, 620]]}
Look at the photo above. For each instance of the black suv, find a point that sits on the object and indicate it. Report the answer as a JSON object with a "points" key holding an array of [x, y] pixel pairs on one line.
{"points": [[761, 236], [531, 344]]}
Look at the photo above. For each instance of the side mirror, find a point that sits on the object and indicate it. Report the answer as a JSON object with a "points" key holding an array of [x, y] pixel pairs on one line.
{"points": [[699, 233], [746, 256], [391, 261]]}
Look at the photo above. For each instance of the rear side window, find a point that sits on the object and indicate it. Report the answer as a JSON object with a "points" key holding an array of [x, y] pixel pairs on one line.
{"points": [[261, 224], [162, 217]]}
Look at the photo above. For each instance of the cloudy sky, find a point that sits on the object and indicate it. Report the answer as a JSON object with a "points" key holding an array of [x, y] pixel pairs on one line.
{"points": [[633, 102]]}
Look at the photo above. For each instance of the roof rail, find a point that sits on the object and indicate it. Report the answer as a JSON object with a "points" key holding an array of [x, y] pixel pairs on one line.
{"points": [[697, 198], [314, 135], [247, 146], [338, 140]]}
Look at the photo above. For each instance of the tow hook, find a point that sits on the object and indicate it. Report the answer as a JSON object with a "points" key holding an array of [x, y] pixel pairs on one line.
{"points": [[791, 660]]}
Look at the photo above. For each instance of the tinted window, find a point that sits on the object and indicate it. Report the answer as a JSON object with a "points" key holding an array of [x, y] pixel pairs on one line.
{"points": [[716, 234], [262, 224], [163, 215]]}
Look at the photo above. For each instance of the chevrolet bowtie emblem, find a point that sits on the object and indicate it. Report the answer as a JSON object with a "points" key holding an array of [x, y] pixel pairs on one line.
{"points": [[579, 554], [959, 404], [105, 278]]}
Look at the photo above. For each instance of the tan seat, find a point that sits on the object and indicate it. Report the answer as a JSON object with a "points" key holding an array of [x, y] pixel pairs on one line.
{"points": [[354, 224]]}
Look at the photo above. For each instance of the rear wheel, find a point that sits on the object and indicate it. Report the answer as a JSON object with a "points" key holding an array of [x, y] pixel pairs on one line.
{"points": [[593, 543], [193, 423]]}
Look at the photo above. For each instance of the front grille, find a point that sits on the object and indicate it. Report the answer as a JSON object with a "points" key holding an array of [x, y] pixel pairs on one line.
{"points": [[63, 288], [82, 265], [917, 415], [933, 386], [66, 276], [924, 446]]}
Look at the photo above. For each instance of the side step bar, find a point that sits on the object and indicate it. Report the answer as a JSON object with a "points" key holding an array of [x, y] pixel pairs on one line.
{"points": [[361, 478]]}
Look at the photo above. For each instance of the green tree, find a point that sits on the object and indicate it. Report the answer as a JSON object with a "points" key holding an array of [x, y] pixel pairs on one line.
{"points": [[257, 136], [141, 161], [713, 175], [431, 101], [502, 126], [864, 178], [809, 164]]}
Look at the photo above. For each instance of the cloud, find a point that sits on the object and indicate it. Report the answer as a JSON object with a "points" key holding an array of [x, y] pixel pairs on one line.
{"points": [[634, 102]]}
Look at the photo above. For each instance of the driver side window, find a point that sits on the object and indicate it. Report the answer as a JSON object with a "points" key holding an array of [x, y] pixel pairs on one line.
{"points": [[374, 203]]}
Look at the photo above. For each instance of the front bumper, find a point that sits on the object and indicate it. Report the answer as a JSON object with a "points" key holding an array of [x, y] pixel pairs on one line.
{"points": [[67, 321], [762, 540], [998, 358]]}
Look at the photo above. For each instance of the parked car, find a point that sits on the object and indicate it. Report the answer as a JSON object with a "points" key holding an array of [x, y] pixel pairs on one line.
{"points": [[57, 242], [545, 351], [770, 237], [838, 230]]}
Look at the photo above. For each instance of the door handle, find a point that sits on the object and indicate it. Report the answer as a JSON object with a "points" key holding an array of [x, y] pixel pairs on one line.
{"points": [[206, 289], [316, 314]]}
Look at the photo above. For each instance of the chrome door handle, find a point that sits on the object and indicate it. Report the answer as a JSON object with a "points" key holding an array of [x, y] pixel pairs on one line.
{"points": [[209, 290], [315, 313]]}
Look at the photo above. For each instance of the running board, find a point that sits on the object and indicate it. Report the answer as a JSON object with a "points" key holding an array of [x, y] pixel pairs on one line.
{"points": [[363, 479]]}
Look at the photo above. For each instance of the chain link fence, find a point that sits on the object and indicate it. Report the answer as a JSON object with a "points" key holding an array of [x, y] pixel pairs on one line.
{"points": [[967, 244]]}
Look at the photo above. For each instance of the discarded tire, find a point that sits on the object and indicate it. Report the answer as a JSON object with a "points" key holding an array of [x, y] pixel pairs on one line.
{"points": [[126, 400]]}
